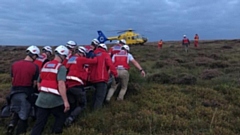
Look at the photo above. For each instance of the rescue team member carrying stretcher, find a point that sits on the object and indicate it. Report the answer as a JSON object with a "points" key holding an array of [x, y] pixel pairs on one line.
{"points": [[99, 75], [24, 75], [76, 80], [71, 46], [121, 63], [44, 57], [52, 98]]}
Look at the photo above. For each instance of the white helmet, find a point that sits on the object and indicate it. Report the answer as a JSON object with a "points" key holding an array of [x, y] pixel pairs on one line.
{"points": [[33, 49], [184, 35], [48, 48], [123, 41], [126, 47], [71, 44], [95, 41], [82, 50], [62, 50], [103, 46]]}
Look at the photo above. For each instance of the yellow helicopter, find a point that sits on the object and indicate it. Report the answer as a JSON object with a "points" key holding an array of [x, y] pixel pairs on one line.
{"points": [[131, 37]]}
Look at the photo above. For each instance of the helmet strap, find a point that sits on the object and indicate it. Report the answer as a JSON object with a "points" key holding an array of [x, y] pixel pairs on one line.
{"points": [[30, 55]]}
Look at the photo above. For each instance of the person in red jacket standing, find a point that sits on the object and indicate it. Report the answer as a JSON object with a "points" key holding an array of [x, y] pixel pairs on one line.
{"points": [[44, 57], [99, 75], [117, 48], [185, 43], [52, 98], [76, 80], [196, 38], [160, 43], [121, 62], [71, 45]]}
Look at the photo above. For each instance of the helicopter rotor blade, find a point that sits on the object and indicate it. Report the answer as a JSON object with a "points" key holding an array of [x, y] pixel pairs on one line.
{"points": [[128, 30], [121, 31]]}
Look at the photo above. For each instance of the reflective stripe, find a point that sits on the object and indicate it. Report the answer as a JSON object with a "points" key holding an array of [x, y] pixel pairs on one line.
{"points": [[117, 47], [55, 70], [120, 67], [72, 61], [40, 59], [75, 79], [50, 90], [120, 54], [49, 70]]}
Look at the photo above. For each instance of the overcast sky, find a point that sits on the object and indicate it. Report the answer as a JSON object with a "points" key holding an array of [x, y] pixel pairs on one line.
{"points": [[54, 22]]}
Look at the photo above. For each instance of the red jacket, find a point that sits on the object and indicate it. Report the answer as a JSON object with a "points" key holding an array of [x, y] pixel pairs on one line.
{"points": [[77, 74], [68, 57], [48, 77], [185, 41], [39, 61], [120, 60], [115, 49], [99, 71], [88, 48]]}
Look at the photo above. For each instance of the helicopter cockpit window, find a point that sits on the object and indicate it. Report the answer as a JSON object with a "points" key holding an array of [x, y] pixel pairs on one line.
{"points": [[133, 37], [129, 37], [139, 37]]}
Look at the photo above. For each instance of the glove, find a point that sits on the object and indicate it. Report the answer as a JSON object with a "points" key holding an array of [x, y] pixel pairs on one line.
{"points": [[117, 80]]}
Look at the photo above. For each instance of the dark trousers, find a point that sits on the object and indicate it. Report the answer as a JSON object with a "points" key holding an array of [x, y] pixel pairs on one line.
{"points": [[21, 124], [77, 99], [20, 107], [42, 118], [99, 95]]}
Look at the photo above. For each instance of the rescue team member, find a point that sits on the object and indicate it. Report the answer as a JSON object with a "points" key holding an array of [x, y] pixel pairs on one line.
{"points": [[40, 61], [185, 43], [117, 48], [113, 50], [90, 49], [99, 75], [121, 63], [196, 38], [52, 98], [44, 57], [71, 45], [90, 53], [160, 43], [24, 75], [76, 80]]}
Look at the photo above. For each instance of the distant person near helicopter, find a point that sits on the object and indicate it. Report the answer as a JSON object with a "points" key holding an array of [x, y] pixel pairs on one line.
{"points": [[196, 38], [185, 43], [160, 43]]}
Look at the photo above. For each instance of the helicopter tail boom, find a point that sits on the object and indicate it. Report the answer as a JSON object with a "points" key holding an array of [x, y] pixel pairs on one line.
{"points": [[101, 37]]}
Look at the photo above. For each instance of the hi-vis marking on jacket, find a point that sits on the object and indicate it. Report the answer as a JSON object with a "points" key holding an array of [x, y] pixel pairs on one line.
{"points": [[75, 79], [122, 59], [50, 68], [121, 54], [50, 90], [41, 58], [99, 54], [117, 47], [72, 60]]}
